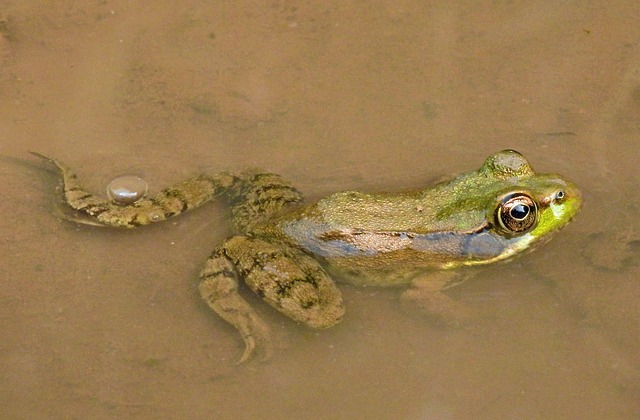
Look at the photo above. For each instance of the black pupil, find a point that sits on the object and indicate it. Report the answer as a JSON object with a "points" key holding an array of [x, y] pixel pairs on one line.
{"points": [[519, 211], [559, 195]]}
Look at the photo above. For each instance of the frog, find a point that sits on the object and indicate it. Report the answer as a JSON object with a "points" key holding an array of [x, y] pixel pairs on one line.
{"points": [[289, 251]]}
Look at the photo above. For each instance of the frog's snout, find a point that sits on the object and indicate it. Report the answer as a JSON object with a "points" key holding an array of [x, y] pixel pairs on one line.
{"points": [[564, 204], [573, 198]]}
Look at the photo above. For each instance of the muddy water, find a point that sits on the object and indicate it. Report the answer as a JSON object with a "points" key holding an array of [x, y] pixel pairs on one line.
{"points": [[375, 96]]}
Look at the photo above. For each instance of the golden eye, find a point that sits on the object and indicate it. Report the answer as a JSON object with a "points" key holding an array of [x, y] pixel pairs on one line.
{"points": [[517, 213]]}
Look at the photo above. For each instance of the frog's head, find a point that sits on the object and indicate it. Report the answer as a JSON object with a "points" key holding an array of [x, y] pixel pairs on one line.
{"points": [[528, 207]]}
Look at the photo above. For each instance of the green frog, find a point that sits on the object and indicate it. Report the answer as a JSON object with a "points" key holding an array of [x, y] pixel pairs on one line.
{"points": [[288, 252]]}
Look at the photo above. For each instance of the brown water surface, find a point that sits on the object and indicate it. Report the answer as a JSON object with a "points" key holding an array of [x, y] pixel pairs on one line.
{"points": [[100, 323]]}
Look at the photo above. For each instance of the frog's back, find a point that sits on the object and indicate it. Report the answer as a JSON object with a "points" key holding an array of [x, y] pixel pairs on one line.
{"points": [[477, 218], [375, 239]]}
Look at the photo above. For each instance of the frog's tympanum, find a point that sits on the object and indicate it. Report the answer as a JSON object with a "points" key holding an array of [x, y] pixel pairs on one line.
{"points": [[287, 251]]}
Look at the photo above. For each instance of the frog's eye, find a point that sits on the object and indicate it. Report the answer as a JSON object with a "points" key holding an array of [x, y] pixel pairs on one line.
{"points": [[559, 196], [517, 213]]}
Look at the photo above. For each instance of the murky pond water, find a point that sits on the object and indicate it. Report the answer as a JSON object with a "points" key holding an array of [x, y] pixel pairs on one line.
{"points": [[389, 95]]}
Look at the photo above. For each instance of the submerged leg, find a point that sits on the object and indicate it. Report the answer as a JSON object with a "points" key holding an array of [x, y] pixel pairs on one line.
{"points": [[286, 278], [219, 288], [425, 296], [169, 202]]}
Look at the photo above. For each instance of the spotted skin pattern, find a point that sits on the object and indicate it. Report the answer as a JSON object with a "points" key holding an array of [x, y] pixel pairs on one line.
{"points": [[170, 202], [407, 238], [285, 277]]}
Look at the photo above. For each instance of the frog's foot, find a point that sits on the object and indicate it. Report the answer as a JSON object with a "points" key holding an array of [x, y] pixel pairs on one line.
{"points": [[219, 288], [170, 202], [426, 297]]}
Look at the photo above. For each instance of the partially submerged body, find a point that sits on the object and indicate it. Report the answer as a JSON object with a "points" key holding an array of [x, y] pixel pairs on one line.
{"points": [[285, 248]]}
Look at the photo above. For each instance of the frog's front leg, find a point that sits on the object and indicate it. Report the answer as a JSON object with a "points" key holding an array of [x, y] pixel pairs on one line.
{"points": [[426, 296], [286, 278]]}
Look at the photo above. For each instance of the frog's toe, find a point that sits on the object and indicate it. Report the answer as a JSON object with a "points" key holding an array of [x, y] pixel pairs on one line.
{"points": [[256, 343], [249, 348]]}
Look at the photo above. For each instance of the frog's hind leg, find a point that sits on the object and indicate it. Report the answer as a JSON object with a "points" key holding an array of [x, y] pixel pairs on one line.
{"points": [[258, 196], [286, 278], [170, 202], [219, 288]]}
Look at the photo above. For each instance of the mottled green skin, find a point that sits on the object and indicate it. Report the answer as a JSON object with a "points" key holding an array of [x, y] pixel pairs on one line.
{"points": [[389, 239], [284, 247]]}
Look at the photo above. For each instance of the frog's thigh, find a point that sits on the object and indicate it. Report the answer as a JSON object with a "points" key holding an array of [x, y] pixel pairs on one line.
{"points": [[288, 279], [219, 288], [425, 296]]}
